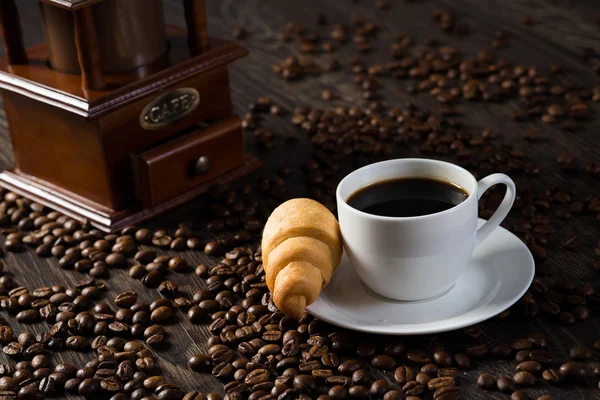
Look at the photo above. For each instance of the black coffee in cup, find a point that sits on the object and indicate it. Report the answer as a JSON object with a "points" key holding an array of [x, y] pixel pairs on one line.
{"points": [[407, 197]]}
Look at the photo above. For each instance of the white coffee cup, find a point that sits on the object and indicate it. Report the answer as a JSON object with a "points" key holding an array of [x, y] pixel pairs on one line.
{"points": [[416, 258]]}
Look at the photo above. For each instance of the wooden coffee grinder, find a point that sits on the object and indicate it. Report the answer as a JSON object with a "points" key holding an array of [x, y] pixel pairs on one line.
{"points": [[118, 117]]}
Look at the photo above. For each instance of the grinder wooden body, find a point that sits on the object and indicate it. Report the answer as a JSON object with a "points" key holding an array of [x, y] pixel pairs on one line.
{"points": [[117, 117]]}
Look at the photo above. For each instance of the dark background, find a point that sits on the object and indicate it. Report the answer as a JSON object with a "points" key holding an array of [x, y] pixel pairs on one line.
{"points": [[561, 31]]}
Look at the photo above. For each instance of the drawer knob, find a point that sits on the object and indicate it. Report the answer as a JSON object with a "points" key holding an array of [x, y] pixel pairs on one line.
{"points": [[202, 165]]}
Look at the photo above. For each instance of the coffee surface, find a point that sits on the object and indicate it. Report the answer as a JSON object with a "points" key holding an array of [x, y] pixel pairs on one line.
{"points": [[407, 197]]}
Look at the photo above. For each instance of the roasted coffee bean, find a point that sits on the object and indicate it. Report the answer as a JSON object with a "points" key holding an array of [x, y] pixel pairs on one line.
{"points": [[419, 357], [384, 362], [580, 353], [89, 388], [413, 388], [126, 299], [403, 374], [178, 264], [137, 272], [574, 371], [541, 356], [485, 381], [423, 378], [476, 351], [437, 383], [13, 349], [30, 393], [430, 369], [8, 384], [521, 356], [379, 388], [338, 380], [533, 367], [551, 376], [442, 358], [330, 360], [223, 370], [161, 315], [348, 367], [72, 385], [524, 378], [304, 383], [447, 393], [519, 395], [358, 392], [505, 384], [77, 343], [256, 377]]}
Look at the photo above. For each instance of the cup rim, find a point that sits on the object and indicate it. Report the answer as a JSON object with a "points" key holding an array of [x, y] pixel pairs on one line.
{"points": [[345, 204]]}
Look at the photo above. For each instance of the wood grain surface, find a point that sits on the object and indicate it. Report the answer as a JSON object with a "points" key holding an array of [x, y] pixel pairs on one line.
{"points": [[561, 32]]}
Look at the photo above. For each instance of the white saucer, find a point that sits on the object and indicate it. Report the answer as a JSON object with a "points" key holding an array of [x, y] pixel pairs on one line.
{"points": [[499, 273]]}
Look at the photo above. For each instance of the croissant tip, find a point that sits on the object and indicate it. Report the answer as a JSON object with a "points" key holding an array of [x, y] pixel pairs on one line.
{"points": [[294, 306]]}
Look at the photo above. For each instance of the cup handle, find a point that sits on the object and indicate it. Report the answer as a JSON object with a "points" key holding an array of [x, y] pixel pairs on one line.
{"points": [[503, 209]]}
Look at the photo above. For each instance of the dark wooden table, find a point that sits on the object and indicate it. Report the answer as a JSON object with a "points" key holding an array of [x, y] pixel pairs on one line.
{"points": [[562, 29]]}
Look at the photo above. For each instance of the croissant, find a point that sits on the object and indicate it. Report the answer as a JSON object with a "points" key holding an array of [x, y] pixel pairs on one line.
{"points": [[301, 247]]}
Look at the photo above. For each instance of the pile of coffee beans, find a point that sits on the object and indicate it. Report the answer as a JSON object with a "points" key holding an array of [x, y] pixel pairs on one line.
{"points": [[255, 350]]}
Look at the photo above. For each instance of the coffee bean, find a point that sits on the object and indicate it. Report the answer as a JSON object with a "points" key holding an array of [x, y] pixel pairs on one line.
{"points": [[442, 358], [126, 299], [403, 374], [574, 371], [486, 381], [9, 384], [361, 377], [358, 392], [476, 351], [152, 279], [330, 360], [338, 380], [419, 357], [521, 356], [379, 388], [541, 356], [89, 388], [257, 376], [437, 383], [533, 367], [304, 383], [30, 393], [161, 314], [13, 349], [447, 393], [178, 264], [524, 378], [505, 384], [580, 353], [384, 362], [423, 378], [348, 367], [551, 376], [519, 395], [430, 369], [77, 343], [393, 395], [412, 388]]}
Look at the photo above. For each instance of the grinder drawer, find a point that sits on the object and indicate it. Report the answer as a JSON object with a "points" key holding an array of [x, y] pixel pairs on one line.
{"points": [[172, 168]]}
